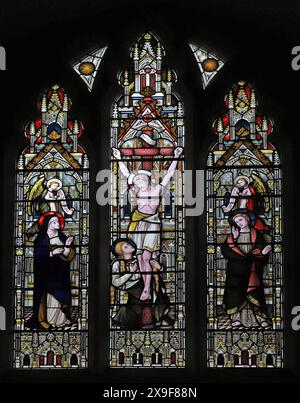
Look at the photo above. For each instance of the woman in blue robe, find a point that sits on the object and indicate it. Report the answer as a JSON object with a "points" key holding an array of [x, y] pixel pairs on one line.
{"points": [[53, 252]]}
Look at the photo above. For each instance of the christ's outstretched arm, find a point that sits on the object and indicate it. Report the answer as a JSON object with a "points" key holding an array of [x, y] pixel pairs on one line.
{"points": [[172, 168], [122, 165]]}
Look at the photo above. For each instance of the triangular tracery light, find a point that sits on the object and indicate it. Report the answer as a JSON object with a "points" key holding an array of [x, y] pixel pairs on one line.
{"points": [[87, 67], [209, 64]]}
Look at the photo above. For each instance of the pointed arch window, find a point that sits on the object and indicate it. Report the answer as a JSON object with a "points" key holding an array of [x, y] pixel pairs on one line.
{"points": [[244, 237], [51, 240], [147, 139]]}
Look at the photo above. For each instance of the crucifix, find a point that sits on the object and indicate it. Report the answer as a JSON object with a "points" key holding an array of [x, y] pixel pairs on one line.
{"points": [[145, 225]]}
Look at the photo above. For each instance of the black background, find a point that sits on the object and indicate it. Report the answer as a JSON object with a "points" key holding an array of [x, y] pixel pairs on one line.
{"points": [[43, 38]]}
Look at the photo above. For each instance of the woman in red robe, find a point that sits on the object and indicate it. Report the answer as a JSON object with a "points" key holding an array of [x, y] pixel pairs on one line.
{"points": [[246, 251]]}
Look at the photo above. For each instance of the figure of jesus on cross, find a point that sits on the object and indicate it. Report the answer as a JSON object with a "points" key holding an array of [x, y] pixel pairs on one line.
{"points": [[145, 226]]}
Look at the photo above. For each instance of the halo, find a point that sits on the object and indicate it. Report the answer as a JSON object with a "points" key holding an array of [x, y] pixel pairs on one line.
{"points": [[250, 214], [118, 240], [54, 180], [246, 178], [53, 214], [140, 171], [130, 179]]}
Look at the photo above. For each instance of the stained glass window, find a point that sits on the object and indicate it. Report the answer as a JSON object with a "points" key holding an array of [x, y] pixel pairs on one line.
{"points": [[209, 64], [244, 238], [51, 240], [87, 66], [147, 316]]}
